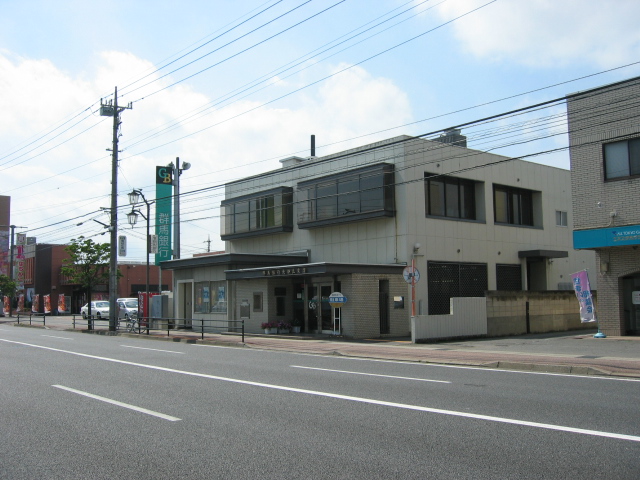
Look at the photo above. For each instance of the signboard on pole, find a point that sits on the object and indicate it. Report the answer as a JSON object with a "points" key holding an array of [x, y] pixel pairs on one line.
{"points": [[122, 246], [337, 299], [164, 193]]}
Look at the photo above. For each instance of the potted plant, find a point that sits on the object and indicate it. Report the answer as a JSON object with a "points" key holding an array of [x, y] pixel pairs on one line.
{"points": [[284, 327], [296, 325], [269, 327]]}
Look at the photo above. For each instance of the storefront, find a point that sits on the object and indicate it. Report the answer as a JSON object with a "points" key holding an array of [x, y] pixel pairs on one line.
{"points": [[300, 294]]}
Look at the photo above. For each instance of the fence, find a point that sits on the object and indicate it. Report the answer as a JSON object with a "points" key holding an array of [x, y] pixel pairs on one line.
{"points": [[37, 317], [146, 325]]}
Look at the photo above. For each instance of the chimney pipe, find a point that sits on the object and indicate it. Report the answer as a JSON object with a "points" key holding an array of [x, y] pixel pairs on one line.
{"points": [[313, 145]]}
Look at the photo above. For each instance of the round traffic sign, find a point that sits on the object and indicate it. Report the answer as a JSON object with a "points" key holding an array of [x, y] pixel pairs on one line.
{"points": [[411, 274], [336, 300]]}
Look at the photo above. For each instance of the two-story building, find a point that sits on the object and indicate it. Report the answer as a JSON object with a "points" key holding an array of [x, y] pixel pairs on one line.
{"points": [[604, 134], [352, 222]]}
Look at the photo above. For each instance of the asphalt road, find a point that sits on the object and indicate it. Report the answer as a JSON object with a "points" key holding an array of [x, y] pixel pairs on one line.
{"points": [[91, 406]]}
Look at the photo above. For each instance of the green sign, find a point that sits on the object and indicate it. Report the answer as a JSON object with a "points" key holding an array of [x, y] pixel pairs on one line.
{"points": [[164, 193]]}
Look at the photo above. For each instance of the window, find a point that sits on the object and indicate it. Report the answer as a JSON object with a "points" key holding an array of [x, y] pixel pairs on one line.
{"points": [[561, 218], [219, 297], [358, 194], [509, 277], [512, 206], [450, 197], [202, 297], [447, 280], [258, 214], [210, 297], [257, 301], [280, 294], [622, 159]]}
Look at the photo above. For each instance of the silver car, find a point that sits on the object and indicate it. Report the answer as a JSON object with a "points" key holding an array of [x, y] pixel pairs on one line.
{"points": [[127, 308], [99, 309]]}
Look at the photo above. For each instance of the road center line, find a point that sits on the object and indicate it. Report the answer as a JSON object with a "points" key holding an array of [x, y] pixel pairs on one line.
{"points": [[53, 336], [370, 374], [370, 401], [154, 349], [119, 404]]}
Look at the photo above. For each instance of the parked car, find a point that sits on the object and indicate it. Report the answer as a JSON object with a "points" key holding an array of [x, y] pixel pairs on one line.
{"points": [[127, 308], [99, 309]]}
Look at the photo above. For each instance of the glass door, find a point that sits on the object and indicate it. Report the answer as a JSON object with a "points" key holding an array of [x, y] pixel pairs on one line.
{"points": [[313, 307], [326, 311]]}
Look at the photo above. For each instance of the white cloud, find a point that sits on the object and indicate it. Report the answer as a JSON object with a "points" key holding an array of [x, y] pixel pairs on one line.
{"points": [[41, 95], [549, 33]]}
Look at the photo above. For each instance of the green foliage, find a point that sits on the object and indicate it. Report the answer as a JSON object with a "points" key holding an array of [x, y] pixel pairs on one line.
{"points": [[88, 262], [7, 286]]}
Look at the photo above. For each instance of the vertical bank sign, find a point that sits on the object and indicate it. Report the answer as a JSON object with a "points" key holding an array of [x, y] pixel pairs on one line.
{"points": [[583, 292], [164, 193], [21, 242]]}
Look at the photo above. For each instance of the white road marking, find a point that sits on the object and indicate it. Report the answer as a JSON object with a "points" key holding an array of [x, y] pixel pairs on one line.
{"points": [[219, 346], [427, 364], [370, 374], [370, 401], [53, 336], [119, 404], [154, 349]]}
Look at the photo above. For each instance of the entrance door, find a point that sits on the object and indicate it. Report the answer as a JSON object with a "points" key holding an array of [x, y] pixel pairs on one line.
{"points": [[326, 311], [313, 306], [631, 303], [320, 312], [187, 300]]}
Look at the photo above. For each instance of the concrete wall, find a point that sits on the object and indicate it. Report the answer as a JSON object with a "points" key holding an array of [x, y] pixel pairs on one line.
{"points": [[548, 312], [502, 314], [468, 318]]}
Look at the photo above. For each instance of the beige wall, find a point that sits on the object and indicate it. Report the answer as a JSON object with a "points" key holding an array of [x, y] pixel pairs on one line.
{"points": [[606, 115]]}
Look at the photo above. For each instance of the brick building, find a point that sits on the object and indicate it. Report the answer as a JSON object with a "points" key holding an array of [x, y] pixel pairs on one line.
{"points": [[604, 135], [42, 272]]}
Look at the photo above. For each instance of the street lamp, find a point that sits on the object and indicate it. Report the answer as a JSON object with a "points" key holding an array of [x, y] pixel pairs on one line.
{"points": [[177, 171], [132, 217]]}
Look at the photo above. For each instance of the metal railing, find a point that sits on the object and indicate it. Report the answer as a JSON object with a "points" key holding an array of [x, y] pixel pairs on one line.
{"points": [[33, 317], [90, 321], [146, 325]]}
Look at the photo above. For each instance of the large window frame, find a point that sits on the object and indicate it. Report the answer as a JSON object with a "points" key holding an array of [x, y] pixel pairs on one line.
{"points": [[210, 297], [450, 197], [513, 206], [354, 195], [621, 159], [266, 212]]}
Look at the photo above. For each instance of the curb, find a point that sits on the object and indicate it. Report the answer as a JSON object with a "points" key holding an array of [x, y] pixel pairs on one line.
{"points": [[566, 369]]}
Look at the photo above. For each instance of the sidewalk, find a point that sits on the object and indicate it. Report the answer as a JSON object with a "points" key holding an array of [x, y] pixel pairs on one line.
{"points": [[565, 352]]}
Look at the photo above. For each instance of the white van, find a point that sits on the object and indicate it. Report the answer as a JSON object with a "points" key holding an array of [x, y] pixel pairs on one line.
{"points": [[127, 307]]}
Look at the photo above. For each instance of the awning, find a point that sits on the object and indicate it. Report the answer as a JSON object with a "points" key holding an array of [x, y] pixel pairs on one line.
{"points": [[314, 269], [232, 259]]}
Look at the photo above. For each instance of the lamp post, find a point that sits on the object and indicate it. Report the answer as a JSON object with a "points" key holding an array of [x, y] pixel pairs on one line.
{"points": [[132, 217], [177, 171]]}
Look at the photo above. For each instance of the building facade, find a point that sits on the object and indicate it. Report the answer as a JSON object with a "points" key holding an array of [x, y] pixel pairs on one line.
{"points": [[43, 277], [468, 221], [604, 134]]}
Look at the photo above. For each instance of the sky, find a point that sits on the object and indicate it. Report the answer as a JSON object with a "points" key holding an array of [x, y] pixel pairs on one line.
{"points": [[232, 87]]}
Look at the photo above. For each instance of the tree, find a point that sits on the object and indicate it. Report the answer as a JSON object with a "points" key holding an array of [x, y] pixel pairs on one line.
{"points": [[7, 288], [87, 265]]}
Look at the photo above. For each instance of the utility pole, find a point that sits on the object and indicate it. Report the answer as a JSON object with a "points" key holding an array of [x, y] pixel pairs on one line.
{"points": [[13, 230], [208, 242], [113, 110]]}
